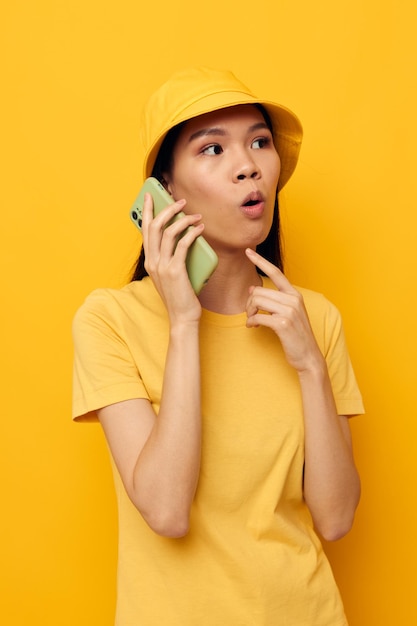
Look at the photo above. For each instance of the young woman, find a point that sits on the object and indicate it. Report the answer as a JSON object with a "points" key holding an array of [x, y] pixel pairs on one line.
{"points": [[226, 414]]}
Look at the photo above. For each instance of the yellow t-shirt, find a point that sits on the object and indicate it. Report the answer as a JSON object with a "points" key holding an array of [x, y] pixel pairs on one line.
{"points": [[251, 557]]}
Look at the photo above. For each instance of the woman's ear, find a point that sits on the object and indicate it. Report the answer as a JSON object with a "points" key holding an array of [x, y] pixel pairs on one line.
{"points": [[165, 181]]}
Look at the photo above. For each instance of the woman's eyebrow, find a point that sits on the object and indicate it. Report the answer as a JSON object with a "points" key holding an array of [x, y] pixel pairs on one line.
{"points": [[215, 130], [258, 126], [207, 131]]}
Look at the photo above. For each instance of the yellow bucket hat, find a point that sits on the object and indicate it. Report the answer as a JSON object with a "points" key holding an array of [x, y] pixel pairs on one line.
{"points": [[195, 91]]}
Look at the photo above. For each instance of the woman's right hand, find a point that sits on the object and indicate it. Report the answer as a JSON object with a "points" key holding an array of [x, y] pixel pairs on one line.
{"points": [[165, 258], [158, 456]]}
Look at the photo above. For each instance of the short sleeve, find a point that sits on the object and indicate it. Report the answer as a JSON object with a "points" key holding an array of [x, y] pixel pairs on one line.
{"points": [[104, 370], [344, 384]]}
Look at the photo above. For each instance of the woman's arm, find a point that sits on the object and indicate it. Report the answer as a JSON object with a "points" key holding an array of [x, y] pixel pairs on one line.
{"points": [[331, 481], [158, 457]]}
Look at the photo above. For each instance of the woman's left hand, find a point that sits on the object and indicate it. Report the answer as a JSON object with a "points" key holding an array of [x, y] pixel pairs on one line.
{"points": [[283, 311], [331, 482]]}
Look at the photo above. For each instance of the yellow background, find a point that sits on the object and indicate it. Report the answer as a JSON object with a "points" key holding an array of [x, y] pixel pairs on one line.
{"points": [[74, 81]]}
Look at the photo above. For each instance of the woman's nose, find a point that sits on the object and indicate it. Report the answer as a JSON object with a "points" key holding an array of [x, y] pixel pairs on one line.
{"points": [[246, 168]]}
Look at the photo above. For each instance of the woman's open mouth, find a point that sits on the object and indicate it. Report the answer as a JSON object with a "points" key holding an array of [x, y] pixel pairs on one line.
{"points": [[253, 205]]}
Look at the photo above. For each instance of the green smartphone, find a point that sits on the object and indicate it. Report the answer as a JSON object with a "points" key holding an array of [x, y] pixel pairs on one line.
{"points": [[201, 259]]}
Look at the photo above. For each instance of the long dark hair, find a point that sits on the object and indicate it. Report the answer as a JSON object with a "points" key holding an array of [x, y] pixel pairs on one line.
{"points": [[270, 248]]}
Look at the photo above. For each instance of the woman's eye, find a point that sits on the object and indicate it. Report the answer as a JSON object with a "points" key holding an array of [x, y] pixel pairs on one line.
{"points": [[261, 142], [215, 148]]}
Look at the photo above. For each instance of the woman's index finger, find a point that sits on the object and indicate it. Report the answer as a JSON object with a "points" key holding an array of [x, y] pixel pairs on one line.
{"points": [[271, 270]]}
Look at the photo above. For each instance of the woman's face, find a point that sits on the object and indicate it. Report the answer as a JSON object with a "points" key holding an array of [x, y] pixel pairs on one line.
{"points": [[226, 166]]}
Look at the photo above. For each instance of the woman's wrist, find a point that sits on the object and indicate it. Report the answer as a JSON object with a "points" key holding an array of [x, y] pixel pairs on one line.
{"points": [[183, 328], [315, 369]]}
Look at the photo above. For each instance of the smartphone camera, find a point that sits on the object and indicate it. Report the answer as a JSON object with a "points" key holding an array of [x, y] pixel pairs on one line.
{"points": [[136, 218]]}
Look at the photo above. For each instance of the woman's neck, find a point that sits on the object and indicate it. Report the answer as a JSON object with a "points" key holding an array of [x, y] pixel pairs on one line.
{"points": [[227, 290]]}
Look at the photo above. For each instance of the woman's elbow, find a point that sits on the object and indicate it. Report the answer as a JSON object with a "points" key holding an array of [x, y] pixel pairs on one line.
{"points": [[334, 518], [170, 526], [335, 530], [164, 520], [335, 524]]}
